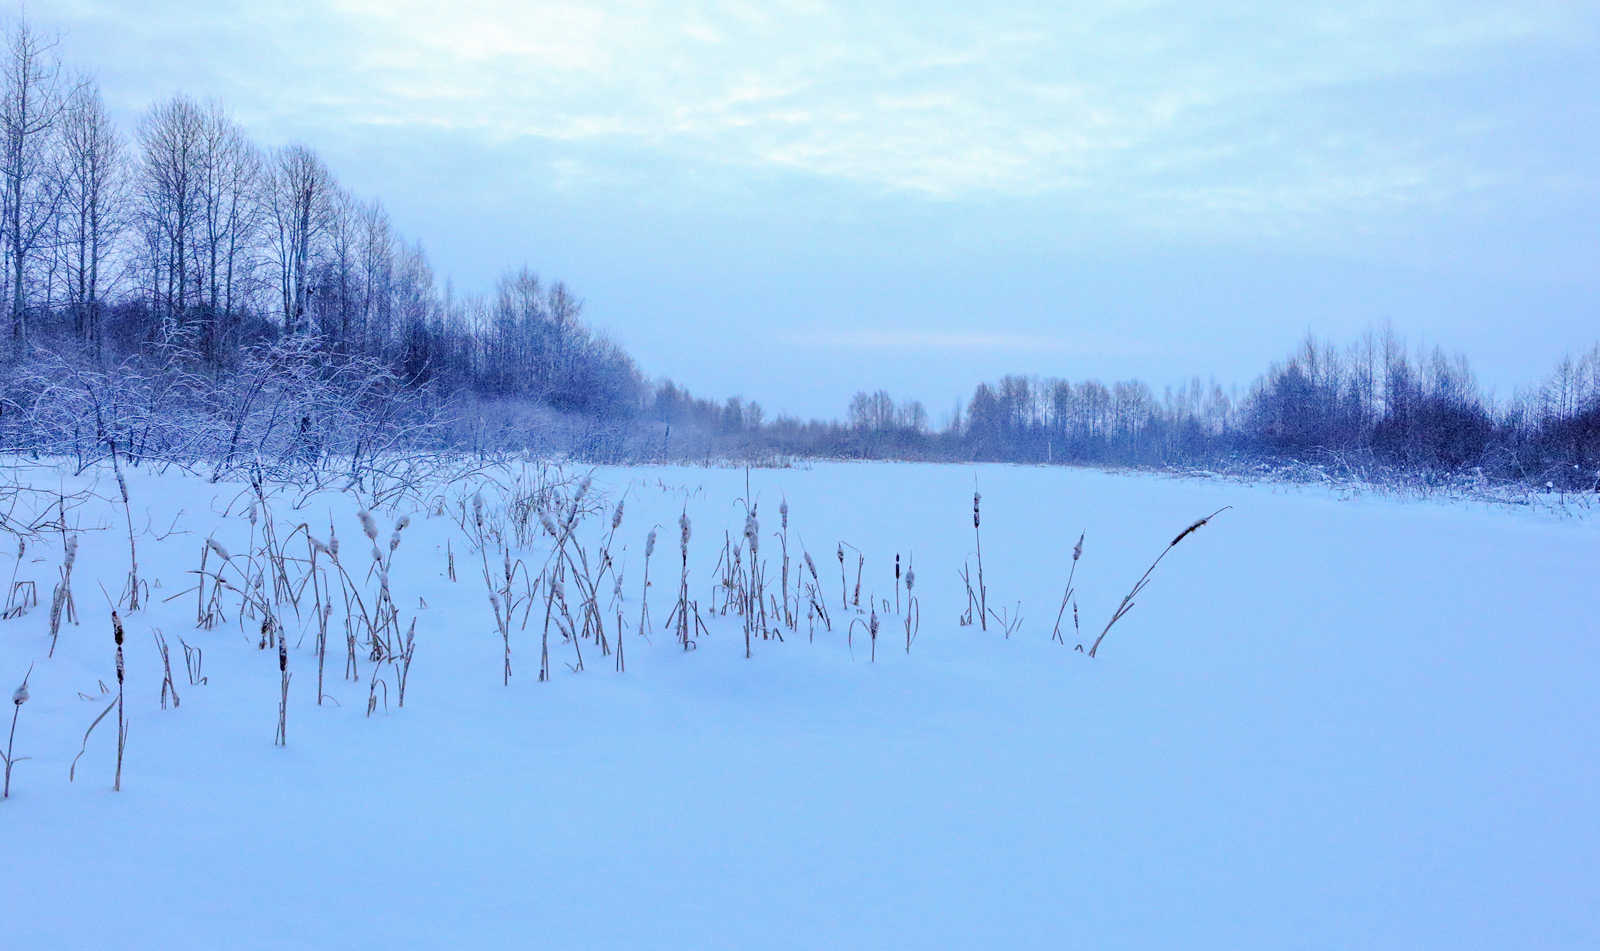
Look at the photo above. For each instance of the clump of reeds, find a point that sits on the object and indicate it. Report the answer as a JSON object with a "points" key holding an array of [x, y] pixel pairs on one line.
{"points": [[62, 606], [18, 698], [686, 613], [168, 686], [1077, 552], [1144, 579]]}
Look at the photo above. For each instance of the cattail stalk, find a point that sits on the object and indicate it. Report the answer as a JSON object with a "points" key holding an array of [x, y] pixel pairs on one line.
{"points": [[1144, 579], [18, 698]]}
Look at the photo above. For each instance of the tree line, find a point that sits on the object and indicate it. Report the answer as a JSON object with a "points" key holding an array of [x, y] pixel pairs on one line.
{"points": [[180, 290], [185, 236]]}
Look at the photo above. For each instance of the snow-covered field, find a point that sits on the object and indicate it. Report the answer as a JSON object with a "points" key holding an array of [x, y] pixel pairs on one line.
{"points": [[1326, 724]]}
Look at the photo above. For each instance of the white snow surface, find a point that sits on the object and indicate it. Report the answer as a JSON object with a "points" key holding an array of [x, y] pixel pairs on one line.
{"points": [[1328, 723]]}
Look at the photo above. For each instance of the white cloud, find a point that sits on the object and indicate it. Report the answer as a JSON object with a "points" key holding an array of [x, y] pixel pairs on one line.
{"points": [[1171, 112]]}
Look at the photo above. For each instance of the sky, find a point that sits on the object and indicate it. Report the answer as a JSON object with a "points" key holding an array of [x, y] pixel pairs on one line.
{"points": [[793, 201]]}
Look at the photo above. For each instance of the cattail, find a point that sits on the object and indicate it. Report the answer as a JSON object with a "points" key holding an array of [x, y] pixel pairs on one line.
{"points": [[22, 547], [333, 546], [650, 544], [911, 578], [783, 511], [976, 498], [376, 554], [283, 655], [477, 509], [1077, 550], [394, 541], [548, 523], [752, 534], [494, 599], [583, 490], [252, 514], [403, 523], [812, 565], [20, 697], [368, 526], [616, 517], [317, 545], [123, 485], [683, 527], [72, 552], [1185, 533], [116, 634], [556, 588], [216, 546]]}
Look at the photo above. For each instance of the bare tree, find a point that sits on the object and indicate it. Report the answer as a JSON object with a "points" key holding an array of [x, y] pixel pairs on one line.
{"points": [[93, 208], [172, 140], [229, 174], [299, 202], [30, 109]]}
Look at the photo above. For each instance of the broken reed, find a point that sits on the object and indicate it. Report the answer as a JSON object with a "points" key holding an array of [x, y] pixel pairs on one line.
{"points": [[62, 606], [913, 615], [1144, 579]]}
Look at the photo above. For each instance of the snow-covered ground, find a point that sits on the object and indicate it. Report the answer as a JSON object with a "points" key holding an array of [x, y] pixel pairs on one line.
{"points": [[1326, 724]]}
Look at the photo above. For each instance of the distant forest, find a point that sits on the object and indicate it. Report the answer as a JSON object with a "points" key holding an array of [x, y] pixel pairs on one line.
{"points": [[179, 293]]}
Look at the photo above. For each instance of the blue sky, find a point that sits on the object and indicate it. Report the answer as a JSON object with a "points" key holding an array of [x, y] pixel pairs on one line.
{"points": [[792, 201]]}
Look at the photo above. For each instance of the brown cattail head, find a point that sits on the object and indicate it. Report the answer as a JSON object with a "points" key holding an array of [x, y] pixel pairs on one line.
{"points": [[403, 523], [123, 485], [1077, 550], [841, 554], [783, 511], [216, 546], [752, 533], [21, 696], [872, 627], [650, 544], [616, 516], [394, 541], [283, 655], [897, 566], [116, 628], [911, 578], [477, 509], [548, 523], [333, 545], [316, 544], [976, 499], [583, 490], [72, 550], [376, 554], [1186, 532], [683, 528], [368, 526], [812, 565]]}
